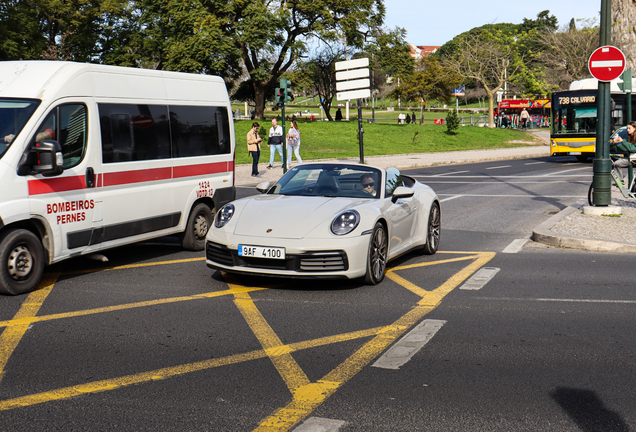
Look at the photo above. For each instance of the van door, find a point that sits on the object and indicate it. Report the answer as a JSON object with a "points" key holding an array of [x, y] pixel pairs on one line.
{"points": [[66, 202], [136, 191]]}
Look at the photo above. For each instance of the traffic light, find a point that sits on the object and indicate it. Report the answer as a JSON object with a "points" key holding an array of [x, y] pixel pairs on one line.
{"points": [[286, 91], [626, 85], [279, 96]]}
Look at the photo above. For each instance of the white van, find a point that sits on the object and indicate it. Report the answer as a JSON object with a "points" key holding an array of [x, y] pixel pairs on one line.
{"points": [[94, 156]]}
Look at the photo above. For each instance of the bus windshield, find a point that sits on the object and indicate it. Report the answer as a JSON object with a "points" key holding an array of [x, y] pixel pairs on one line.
{"points": [[14, 113], [574, 113]]}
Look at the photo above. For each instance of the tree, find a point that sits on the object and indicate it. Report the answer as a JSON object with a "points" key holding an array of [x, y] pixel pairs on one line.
{"points": [[323, 74], [564, 54], [488, 59], [624, 29], [69, 30], [430, 81], [272, 36]]}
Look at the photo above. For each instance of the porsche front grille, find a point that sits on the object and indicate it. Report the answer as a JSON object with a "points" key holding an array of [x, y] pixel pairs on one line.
{"points": [[323, 261], [219, 253]]}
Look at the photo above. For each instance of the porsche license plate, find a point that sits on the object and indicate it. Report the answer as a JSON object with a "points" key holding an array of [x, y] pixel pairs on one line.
{"points": [[574, 153], [261, 252]]}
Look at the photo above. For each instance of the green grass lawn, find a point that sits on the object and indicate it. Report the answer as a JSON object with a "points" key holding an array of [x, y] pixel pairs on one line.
{"points": [[326, 140]]}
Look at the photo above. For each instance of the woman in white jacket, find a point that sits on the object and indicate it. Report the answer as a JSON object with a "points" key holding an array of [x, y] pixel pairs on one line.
{"points": [[293, 143]]}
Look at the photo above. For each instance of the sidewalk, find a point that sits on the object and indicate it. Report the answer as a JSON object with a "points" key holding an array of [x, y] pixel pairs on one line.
{"points": [[570, 228]]}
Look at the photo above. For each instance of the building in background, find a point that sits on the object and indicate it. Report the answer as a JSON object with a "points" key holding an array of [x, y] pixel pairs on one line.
{"points": [[421, 51]]}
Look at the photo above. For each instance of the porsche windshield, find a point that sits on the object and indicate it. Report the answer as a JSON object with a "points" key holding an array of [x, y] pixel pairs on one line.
{"points": [[14, 113], [334, 180]]}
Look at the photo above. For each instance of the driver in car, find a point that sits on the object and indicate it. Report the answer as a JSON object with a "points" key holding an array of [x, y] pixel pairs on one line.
{"points": [[368, 183]]}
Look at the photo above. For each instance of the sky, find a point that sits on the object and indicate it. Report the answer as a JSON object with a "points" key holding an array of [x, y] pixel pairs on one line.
{"points": [[436, 22]]}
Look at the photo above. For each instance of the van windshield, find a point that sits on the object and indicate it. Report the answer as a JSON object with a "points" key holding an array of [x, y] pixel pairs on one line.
{"points": [[14, 113]]}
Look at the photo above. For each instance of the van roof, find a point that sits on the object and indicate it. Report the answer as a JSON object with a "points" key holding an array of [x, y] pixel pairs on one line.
{"points": [[51, 80]]}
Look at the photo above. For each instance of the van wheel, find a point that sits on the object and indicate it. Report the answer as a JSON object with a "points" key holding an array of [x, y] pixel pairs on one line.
{"points": [[21, 262], [198, 226]]}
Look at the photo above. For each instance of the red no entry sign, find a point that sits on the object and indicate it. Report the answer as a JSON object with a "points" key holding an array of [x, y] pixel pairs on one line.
{"points": [[606, 63]]}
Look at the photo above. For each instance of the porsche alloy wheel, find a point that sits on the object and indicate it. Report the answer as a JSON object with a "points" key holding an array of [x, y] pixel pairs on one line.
{"points": [[434, 230], [377, 256]]}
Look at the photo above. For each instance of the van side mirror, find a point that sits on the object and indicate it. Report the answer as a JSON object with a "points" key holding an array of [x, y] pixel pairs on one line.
{"points": [[43, 158]]}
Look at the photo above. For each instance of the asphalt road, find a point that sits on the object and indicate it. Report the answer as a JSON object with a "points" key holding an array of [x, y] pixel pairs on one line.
{"points": [[154, 340]]}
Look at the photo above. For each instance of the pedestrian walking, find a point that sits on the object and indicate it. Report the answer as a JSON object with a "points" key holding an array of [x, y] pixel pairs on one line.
{"points": [[525, 117], [254, 147], [293, 143], [413, 119], [275, 143]]}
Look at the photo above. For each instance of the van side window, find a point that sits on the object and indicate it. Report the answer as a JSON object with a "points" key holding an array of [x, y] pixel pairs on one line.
{"points": [[73, 133], [199, 130], [67, 124], [132, 132]]}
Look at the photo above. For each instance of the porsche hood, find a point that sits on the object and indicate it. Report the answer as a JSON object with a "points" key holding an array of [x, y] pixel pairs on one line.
{"points": [[293, 217]]}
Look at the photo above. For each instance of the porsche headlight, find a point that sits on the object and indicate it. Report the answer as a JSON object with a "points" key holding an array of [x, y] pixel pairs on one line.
{"points": [[345, 222], [224, 215]]}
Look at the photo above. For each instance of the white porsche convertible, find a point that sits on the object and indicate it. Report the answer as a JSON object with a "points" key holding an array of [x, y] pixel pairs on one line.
{"points": [[326, 220]]}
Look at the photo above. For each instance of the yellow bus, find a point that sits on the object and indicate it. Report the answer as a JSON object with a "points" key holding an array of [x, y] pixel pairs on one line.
{"points": [[573, 129]]}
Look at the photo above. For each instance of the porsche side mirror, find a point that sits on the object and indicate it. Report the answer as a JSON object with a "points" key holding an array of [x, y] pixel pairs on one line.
{"points": [[263, 187], [401, 192]]}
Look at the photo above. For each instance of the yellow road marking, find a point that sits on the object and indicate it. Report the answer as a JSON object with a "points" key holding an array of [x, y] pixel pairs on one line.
{"points": [[169, 372], [284, 363], [12, 336], [308, 398], [32, 319]]}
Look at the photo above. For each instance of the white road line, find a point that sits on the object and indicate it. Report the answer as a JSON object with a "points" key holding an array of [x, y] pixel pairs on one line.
{"points": [[570, 170], [497, 167], [451, 198], [533, 163], [479, 279], [499, 182], [558, 300], [515, 246], [402, 351], [517, 196], [507, 177], [317, 424], [449, 173]]}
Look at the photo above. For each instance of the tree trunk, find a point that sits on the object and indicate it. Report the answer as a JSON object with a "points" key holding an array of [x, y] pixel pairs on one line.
{"points": [[491, 108], [624, 29], [259, 100]]}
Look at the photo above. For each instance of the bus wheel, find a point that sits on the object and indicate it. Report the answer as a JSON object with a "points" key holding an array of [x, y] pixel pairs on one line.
{"points": [[199, 223], [21, 262]]}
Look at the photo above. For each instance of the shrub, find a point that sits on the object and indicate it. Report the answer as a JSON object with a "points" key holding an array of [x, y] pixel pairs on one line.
{"points": [[452, 122]]}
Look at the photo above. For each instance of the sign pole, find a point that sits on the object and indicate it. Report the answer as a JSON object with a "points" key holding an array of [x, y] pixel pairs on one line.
{"points": [[360, 131], [602, 181]]}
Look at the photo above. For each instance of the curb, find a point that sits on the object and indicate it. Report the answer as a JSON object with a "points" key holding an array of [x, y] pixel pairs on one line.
{"points": [[542, 234]]}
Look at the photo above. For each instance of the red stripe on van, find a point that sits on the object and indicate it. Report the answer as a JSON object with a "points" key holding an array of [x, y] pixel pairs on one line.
{"points": [[64, 184], [58, 184], [127, 177], [195, 170]]}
